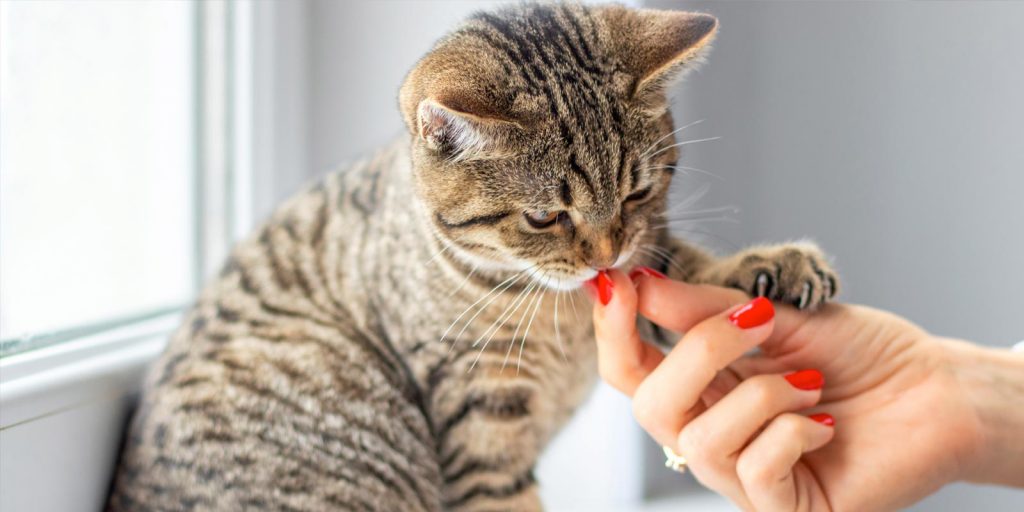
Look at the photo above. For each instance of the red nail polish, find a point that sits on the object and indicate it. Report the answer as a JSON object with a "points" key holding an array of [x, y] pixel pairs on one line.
{"points": [[604, 287], [754, 313], [824, 419], [807, 380], [646, 271]]}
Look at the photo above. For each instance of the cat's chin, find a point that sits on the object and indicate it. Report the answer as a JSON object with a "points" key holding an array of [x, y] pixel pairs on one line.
{"points": [[567, 284]]}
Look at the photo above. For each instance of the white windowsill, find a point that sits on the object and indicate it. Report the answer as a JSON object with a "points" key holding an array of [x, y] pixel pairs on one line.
{"points": [[62, 413], [53, 379]]}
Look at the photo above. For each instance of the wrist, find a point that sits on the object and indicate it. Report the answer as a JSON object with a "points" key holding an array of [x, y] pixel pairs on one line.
{"points": [[992, 383]]}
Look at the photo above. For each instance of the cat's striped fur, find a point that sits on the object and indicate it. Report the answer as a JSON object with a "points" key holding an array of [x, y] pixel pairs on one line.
{"points": [[388, 339]]}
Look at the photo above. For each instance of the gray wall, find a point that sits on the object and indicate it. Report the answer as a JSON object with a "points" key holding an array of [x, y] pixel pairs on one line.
{"points": [[359, 54], [890, 132], [893, 134]]}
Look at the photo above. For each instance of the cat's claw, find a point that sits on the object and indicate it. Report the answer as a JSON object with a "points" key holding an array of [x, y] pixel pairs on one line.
{"points": [[793, 274], [764, 284], [805, 296]]}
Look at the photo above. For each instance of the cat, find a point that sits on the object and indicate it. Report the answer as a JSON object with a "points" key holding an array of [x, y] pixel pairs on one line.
{"points": [[402, 335]]}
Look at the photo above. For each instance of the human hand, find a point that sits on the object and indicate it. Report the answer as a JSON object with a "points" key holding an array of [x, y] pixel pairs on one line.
{"points": [[905, 406]]}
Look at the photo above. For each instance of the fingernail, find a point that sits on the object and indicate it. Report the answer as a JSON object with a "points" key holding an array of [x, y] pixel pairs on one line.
{"points": [[646, 271], [824, 419], [604, 285], [754, 313], [807, 380]]}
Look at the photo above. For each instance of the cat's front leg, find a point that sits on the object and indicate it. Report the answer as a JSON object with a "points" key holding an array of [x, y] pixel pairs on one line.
{"points": [[526, 499], [491, 432], [794, 273]]}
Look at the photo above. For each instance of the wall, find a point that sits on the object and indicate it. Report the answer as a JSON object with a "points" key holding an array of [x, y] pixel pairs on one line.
{"points": [[360, 53]]}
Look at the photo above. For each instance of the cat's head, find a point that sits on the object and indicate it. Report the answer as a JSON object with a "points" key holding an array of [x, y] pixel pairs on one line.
{"points": [[541, 134]]}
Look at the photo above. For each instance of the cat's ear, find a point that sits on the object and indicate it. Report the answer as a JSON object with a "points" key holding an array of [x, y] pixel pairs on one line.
{"points": [[457, 135], [657, 47], [451, 102]]}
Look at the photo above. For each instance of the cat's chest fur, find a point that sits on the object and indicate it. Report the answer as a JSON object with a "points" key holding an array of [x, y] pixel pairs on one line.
{"points": [[482, 348]]}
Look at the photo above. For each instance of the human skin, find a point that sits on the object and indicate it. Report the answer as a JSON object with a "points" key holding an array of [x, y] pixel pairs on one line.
{"points": [[911, 412]]}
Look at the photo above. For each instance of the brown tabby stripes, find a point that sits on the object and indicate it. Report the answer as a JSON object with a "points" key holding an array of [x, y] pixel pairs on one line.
{"points": [[399, 337]]}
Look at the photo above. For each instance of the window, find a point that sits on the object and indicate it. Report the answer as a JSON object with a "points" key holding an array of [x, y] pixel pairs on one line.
{"points": [[114, 191]]}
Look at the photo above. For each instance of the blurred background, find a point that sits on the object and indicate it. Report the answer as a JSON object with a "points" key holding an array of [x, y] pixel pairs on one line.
{"points": [[139, 139]]}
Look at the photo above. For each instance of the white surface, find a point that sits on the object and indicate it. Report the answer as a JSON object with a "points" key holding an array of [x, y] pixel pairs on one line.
{"points": [[45, 381], [62, 410], [595, 462], [62, 462]]}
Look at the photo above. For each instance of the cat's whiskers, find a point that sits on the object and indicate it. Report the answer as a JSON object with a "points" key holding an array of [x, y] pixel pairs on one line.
{"points": [[522, 344], [519, 327], [690, 199], [673, 223], [721, 213], [654, 145], [507, 283], [683, 168], [464, 280], [445, 247], [558, 330], [503, 318], [572, 300], [679, 144], [508, 312], [659, 253]]}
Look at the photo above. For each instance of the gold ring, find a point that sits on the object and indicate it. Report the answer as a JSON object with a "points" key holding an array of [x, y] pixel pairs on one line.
{"points": [[673, 460]]}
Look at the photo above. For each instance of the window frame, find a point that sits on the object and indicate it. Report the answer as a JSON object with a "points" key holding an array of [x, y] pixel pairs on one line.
{"points": [[222, 42], [44, 374]]}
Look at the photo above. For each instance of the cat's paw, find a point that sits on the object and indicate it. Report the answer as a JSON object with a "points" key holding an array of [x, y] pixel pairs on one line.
{"points": [[796, 274]]}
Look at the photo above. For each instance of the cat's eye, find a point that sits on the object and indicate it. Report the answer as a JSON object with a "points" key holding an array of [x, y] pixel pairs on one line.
{"points": [[540, 219], [639, 195]]}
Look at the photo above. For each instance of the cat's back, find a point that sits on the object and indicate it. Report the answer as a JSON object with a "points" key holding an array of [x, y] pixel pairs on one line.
{"points": [[279, 391]]}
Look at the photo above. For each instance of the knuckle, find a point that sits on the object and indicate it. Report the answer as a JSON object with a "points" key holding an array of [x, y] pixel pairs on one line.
{"points": [[693, 444], [754, 471], [646, 410], [700, 340], [761, 390], [790, 425]]}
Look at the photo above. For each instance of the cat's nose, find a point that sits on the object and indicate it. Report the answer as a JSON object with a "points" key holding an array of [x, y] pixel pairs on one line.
{"points": [[601, 254]]}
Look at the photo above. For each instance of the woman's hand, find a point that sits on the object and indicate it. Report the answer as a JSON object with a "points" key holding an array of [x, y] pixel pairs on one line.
{"points": [[847, 408]]}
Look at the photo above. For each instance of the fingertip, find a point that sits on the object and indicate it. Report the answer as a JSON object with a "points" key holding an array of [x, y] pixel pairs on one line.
{"points": [[824, 419], [678, 306], [614, 292], [823, 433]]}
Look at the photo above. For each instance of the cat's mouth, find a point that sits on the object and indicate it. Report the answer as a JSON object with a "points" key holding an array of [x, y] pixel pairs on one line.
{"points": [[561, 282]]}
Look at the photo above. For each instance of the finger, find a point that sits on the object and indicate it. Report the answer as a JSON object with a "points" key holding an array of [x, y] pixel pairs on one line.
{"points": [[624, 360], [765, 467], [712, 441], [670, 396], [790, 322], [678, 306], [759, 364], [724, 382]]}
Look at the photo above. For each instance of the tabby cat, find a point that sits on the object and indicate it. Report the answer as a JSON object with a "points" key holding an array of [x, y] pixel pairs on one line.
{"points": [[400, 337]]}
